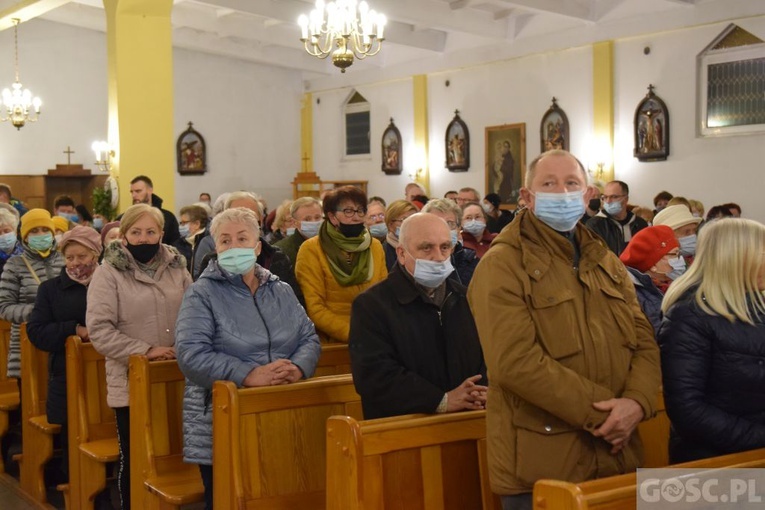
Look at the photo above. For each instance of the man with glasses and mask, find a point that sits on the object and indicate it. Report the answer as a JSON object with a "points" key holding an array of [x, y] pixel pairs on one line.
{"points": [[413, 343], [572, 362], [615, 223]]}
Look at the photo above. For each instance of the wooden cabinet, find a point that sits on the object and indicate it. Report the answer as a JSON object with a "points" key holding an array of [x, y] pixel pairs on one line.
{"points": [[308, 184], [41, 190]]}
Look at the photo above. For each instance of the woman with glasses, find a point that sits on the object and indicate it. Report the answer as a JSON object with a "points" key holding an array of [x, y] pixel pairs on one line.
{"points": [[713, 345], [338, 264], [395, 215], [475, 235], [651, 258]]}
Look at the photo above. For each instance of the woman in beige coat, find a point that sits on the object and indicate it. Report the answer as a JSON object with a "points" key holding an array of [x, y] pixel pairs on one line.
{"points": [[133, 302]]}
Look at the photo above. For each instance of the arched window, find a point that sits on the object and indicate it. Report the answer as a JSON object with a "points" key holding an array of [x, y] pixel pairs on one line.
{"points": [[357, 125]]}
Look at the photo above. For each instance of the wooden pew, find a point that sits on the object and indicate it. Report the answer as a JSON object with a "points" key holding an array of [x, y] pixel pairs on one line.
{"points": [[655, 436], [619, 492], [334, 360], [9, 386], [92, 425], [37, 433], [408, 462], [269, 442], [158, 476]]}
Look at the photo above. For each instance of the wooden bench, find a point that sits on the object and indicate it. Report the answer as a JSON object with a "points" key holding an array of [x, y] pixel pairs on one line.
{"points": [[619, 492], [409, 462], [92, 426], [9, 386], [269, 442], [334, 360], [654, 434], [37, 433], [158, 476]]}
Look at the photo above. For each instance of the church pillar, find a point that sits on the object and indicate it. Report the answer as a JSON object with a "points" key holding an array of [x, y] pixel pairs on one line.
{"points": [[140, 77], [306, 133], [420, 92], [603, 109]]}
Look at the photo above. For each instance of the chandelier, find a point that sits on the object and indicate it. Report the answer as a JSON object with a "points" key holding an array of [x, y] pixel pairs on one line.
{"points": [[18, 102], [343, 28]]}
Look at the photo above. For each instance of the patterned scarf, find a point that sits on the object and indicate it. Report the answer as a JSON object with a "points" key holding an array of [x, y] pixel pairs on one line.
{"points": [[349, 258]]}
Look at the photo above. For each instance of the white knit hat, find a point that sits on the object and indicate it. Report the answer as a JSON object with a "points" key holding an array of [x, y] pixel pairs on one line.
{"points": [[675, 216]]}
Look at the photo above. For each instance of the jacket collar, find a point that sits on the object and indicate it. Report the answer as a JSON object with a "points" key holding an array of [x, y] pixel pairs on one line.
{"points": [[116, 255], [66, 281], [406, 291]]}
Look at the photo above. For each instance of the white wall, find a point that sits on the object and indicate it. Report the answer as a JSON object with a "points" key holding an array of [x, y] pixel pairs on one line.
{"points": [[714, 170], [249, 114]]}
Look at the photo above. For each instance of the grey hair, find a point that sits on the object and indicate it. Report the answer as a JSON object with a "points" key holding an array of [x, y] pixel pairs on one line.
{"points": [[446, 206], [532, 171], [302, 202], [8, 218], [235, 215], [245, 195], [206, 207], [220, 204]]}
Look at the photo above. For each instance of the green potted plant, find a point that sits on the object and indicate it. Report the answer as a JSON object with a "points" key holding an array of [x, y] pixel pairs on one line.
{"points": [[102, 203]]}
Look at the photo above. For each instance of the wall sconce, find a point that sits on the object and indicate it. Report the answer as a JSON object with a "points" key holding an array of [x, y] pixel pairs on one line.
{"points": [[104, 154], [414, 175]]}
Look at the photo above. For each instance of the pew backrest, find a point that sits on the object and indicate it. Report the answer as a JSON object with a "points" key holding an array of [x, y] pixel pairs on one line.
{"points": [[334, 360], [654, 434], [269, 442], [408, 462], [619, 492], [34, 380], [5, 345]]}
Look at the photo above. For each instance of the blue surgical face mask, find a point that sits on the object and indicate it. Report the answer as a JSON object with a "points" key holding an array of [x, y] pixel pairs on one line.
{"points": [[455, 238], [559, 211], [290, 231], [430, 273], [678, 268], [98, 223], [237, 260], [7, 241], [309, 228], [71, 217], [42, 242], [613, 208], [184, 230], [379, 230], [688, 245], [474, 228]]}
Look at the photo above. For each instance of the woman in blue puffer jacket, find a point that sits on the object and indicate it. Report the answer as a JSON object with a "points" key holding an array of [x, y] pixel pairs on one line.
{"points": [[712, 344], [238, 323]]}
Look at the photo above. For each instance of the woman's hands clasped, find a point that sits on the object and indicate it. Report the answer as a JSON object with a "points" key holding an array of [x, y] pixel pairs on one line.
{"points": [[281, 371]]}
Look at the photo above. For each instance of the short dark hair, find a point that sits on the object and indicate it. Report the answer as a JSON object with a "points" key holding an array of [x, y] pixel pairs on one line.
{"points": [[377, 199], [63, 200], [662, 195], [84, 213], [719, 211], [144, 179], [334, 197], [623, 186], [732, 205], [195, 213], [200, 195], [450, 192]]}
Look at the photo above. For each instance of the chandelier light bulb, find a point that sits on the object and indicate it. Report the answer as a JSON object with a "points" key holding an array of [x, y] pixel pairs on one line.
{"points": [[19, 103]]}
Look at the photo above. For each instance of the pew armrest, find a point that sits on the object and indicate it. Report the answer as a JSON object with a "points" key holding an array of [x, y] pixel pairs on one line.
{"points": [[103, 450]]}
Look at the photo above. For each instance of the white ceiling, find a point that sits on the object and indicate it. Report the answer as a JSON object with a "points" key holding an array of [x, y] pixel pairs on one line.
{"points": [[421, 35]]}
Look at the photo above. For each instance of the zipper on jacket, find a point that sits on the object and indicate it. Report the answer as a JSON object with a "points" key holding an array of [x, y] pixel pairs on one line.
{"points": [[268, 332]]}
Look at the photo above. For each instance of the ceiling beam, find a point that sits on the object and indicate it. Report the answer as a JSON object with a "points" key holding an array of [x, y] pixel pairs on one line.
{"points": [[565, 8], [26, 10]]}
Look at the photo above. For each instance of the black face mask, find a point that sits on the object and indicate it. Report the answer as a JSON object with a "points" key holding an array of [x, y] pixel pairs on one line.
{"points": [[594, 204], [143, 253], [353, 230]]}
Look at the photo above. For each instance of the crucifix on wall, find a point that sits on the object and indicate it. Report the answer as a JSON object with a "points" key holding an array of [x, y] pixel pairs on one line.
{"points": [[68, 153]]}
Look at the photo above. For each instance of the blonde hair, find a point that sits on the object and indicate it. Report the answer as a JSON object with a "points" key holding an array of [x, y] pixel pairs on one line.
{"points": [[679, 201], [444, 206], [729, 257], [281, 214], [695, 204], [302, 202], [135, 212], [236, 215], [396, 209], [643, 212], [8, 218]]}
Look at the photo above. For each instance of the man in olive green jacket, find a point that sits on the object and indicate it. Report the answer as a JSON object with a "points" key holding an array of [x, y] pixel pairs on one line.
{"points": [[572, 362]]}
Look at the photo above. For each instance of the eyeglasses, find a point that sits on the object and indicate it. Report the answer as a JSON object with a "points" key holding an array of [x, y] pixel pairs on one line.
{"points": [[349, 212], [611, 198], [375, 217]]}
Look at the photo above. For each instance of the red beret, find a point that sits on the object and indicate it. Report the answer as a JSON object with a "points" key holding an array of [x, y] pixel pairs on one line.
{"points": [[648, 246]]}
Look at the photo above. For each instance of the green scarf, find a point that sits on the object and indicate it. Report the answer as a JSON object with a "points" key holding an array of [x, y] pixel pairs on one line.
{"points": [[350, 258]]}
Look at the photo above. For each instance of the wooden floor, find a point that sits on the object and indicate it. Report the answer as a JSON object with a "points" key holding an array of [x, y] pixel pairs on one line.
{"points": [[11, 497]]}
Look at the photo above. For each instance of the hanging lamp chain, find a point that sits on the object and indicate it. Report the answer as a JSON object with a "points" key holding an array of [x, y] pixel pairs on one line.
{"points": [[16, 43]]}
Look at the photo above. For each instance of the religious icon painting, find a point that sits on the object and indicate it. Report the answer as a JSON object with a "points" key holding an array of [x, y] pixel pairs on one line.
{"points": [[651, 128], [457, 145], [391, 150], [553, 132], [191, 152], [505, 161]]}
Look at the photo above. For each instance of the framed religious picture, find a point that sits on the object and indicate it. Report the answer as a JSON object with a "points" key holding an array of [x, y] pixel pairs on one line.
{"points": [[651, 128], [457, 145], [505, 161], [191, 152], [391, 150], [553, 132]]}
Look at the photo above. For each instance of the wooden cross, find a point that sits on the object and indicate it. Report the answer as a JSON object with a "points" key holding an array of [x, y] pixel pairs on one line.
{"points": [[68, 153], [305, 159]]}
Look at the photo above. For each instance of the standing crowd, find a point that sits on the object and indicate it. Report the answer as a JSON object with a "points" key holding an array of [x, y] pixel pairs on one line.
{"points": [[562, 317]]}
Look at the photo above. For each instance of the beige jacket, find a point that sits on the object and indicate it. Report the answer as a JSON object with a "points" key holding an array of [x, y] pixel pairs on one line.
{"points": [[130, 312], [555, 340]]}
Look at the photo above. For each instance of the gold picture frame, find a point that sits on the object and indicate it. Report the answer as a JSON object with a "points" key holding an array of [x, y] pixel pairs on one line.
{"points": [[505, 161]]}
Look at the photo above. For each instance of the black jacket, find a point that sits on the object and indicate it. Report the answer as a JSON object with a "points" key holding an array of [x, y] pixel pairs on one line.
{"points": [[60, 305], [611, 231], [171, 232], [495, 225], [464, 261], [714, 382], [405, 352]]}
